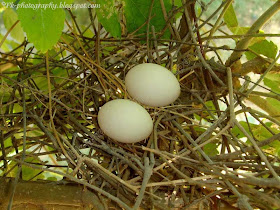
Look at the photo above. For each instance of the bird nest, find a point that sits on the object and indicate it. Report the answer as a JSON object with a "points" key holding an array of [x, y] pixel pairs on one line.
{"points": [[199, 156]]}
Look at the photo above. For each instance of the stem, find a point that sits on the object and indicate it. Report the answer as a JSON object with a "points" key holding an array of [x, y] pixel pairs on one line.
{"points": [[244, 43], [218, 22], [231, 97], [149, 165], [22, 155], [206, 65], [8, 32]]}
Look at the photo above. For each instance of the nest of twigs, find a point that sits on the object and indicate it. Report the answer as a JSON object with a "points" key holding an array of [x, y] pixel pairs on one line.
{"points": [[192, 160]]}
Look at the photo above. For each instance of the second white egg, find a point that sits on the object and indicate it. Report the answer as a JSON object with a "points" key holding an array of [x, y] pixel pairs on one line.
{"points": [[125, 121], [152, 85]]}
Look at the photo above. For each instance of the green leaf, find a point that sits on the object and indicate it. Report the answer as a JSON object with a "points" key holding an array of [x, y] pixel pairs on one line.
{"points": [[259, 131], [28, 173], [197, 8], [5, 91], [210, 105], [211, 108], [108, 16], [59, 75], [41, 82], [237, 132], [178, 3], [238, 30], [17, 108], [272, 80], [9, 18], [10, 44], [8, 143], [5, 46], [137, 15], [42, 26], [274, 103], [211, 149], [264, 47], [230, 17], [88, 33], [52, 178], [276, 147]]}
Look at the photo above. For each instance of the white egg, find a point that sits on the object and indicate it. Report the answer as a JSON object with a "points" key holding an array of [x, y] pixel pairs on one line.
{"points": [[125, 121], [152, 85]]}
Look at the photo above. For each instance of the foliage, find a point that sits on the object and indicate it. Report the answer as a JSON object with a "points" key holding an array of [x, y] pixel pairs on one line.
{"points": [[264, 47], [230, 17], [137, 13], [46, 27], [108, 16], [272, 80], [59, 66], [9, 18]]}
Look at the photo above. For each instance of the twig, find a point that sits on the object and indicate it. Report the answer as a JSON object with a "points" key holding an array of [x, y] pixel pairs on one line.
{"points": [[19, 171], [155, 44], [206, 65], [259, 151], [192, 141], [148, 31], [219, 20], [149, 165], [8, 32], [231, 99]]}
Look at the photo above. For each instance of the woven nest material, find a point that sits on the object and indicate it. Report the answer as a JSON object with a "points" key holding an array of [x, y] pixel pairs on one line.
{"points": [[192, 160]]}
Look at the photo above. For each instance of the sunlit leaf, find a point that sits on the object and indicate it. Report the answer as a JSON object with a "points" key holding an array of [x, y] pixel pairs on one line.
{"points": [[239, 30], [42, 26], [28, 173], [137, 15], [88, 33], [211, 149], [260, 133], [272, 80], [8, 142], [108, 16], [9, 18], [230, 17], [52, 178], [264, 47]]}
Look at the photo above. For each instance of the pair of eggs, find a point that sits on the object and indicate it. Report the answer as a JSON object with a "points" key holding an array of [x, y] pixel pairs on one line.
{"points": [[128, 122]]}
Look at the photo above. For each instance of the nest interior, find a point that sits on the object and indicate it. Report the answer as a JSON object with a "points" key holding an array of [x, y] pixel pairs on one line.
{"points": [[194, 158]]}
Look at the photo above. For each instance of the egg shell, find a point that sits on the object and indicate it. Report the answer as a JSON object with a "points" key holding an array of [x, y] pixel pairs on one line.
{"points": [[125, 121], [152, 85]]}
